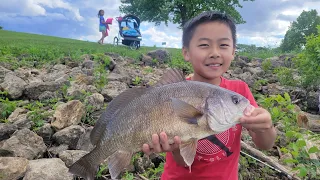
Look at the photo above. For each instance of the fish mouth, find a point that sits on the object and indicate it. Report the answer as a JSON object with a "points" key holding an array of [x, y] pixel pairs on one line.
{"points": [[248, 110]]}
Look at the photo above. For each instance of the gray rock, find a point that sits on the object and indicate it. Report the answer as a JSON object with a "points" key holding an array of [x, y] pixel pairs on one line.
{"points": [[34, 90], [68, 114], [14, 85], [48, 169], [147, 60], [69, 135], [88, 64], [313, 101], [45, 132], [238, 70], [84, 142], [161, 55], [15, 114], [24, 143], [55, 150], [118, 77], [6, 130], [71, 156], [95, 100], [113, 89], [248, 78], [255, 70], [3, 72], [12, 167], [46, 95]]}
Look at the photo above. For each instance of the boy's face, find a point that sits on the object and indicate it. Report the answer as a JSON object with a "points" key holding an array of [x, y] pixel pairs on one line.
{"points": [[210, 50]]}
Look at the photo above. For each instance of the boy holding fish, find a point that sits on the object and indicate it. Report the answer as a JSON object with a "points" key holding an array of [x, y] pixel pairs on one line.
{"points": [[209, 42]]}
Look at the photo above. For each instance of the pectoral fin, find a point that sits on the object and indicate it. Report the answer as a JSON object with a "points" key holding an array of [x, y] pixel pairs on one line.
{"points": [[117, 162], [188, 151], [186, 111]]}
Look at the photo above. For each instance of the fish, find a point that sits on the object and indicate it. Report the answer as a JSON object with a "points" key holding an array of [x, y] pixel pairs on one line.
{"points": [[192, 110]]}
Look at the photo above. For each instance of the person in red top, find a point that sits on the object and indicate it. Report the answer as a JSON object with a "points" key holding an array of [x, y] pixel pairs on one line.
{"points": [[209, 42]]}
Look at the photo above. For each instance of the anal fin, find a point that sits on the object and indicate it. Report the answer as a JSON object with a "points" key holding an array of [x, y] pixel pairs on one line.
{"points": [[188, 151], [117, 162]]}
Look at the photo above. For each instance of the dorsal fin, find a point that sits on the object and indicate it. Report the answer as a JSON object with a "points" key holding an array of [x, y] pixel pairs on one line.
{"points": [[171, 76], [119, 102]]}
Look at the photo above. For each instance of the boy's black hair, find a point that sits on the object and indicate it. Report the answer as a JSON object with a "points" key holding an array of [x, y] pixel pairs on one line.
{"points": [[99, 12], [204, 17]]}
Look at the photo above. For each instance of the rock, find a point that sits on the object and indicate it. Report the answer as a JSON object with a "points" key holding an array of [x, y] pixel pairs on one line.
{"points": [[71, 156], [248, 78], [14, 85], [3, 72], [24, 143], [284, 157], [51, 77], [88, 64], [313, 122], [147, 60], [46, 95], [274, 89], [12, 167], [84, 142], [59, 67], [34, 90], [118, 77], [45, 132], [313, 101], [141, 164], [113, 89], [48, 169], [75, 72], [96, 100], [161, 55], [255, 70], [69, 135], [238, 70], [23, 122], [76, 90], [55, 150], [15, 114], [68, 114], [6, 130]]}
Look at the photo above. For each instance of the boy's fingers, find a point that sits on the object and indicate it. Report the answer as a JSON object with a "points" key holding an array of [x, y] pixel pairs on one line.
{"points": [[177, 142], [252, 120], [164, 141], [156, 144], [146, 149]]}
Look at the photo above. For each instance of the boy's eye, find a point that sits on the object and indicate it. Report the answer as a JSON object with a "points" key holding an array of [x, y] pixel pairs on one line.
{"points": [[203, 45], [224, 44]]}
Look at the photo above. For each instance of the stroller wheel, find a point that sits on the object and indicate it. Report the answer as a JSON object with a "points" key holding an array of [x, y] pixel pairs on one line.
{"points": [[134, 45], [115, 41]]}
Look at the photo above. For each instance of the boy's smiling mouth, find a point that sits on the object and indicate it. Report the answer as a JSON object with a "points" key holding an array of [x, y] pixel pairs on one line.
{"points": [[214, 64]]}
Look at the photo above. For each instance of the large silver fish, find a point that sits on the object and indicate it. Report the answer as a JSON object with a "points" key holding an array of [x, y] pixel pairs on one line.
{"points": [[191, 110]]}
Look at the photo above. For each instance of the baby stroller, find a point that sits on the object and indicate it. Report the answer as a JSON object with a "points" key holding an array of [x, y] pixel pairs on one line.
{"points": [[129, 32]]}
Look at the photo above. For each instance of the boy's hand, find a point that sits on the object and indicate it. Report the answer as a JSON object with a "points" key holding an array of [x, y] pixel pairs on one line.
{"points": [[161, 144], [258, 121]]}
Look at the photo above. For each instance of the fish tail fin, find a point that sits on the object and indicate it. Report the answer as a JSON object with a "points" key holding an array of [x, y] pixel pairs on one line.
{"points": [[87, 165]]}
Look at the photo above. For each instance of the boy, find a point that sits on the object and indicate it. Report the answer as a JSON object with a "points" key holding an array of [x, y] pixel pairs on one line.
{"points": [[209, 42]]}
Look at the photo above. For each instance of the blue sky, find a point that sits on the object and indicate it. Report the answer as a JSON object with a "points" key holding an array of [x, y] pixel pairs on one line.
{"points": [[267, 21]]}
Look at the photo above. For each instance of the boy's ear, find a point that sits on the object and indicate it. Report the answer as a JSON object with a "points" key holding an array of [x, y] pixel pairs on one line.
{"points": [[185, 53]]}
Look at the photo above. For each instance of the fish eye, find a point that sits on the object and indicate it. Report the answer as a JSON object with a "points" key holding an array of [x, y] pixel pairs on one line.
{"points": [[235, 99]]}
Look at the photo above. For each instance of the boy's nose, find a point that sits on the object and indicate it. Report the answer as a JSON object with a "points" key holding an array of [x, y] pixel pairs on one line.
{"points": [[214, 53]]}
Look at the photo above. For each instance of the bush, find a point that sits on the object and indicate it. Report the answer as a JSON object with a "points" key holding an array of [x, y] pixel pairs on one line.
{"points": [[308, 62]]}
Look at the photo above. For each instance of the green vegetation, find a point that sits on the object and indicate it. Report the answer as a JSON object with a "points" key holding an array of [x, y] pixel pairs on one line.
{"points": [[282, 112], [178, 12], [305, 25]]}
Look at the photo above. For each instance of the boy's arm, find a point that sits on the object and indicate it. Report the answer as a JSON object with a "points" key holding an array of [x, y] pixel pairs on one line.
{"points": [[259, 124], [260, 127], [264, 140]]}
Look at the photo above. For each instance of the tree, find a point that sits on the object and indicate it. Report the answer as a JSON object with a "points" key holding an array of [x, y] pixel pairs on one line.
{"points": [[178, 11], [1, 27], [305, 25]]}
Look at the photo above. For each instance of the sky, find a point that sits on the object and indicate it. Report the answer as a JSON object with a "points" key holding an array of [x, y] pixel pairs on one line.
{"points": [[266, 21]]}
